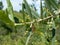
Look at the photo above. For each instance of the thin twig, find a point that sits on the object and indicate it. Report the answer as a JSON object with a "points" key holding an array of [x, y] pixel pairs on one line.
{"points": [[36, 20]]}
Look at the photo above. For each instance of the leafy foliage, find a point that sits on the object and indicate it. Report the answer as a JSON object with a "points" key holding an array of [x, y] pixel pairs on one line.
{"points": [[27, 27]]}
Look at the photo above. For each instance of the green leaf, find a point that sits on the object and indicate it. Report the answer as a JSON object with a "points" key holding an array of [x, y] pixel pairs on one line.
{"points": [[23, 6], [41, 9], [4, 18], [27, 8], [10, 10]]}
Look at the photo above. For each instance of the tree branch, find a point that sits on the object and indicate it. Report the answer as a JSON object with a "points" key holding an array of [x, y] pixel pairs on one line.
{"points": [[36, 20]]}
